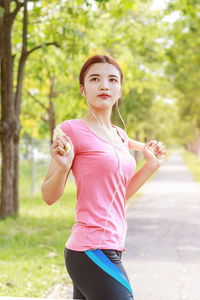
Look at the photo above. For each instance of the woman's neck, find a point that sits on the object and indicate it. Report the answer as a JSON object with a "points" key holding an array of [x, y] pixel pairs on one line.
{"points": [[98, 120]]}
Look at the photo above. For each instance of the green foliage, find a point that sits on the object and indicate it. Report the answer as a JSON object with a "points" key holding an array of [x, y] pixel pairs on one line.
{"points": [[159, 60], [183, 55]]}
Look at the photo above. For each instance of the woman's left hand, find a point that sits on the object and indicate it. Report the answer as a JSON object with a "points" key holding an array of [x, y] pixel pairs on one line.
{"points": [[154, 152]]}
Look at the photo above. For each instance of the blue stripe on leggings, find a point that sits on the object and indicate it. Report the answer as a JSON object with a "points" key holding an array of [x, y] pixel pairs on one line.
{"points": [[99, 258]]}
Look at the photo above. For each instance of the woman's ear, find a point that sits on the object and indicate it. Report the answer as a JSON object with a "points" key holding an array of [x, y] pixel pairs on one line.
{"points": [[82, 90]]}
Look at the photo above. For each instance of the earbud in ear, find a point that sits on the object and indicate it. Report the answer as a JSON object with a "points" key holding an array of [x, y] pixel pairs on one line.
{"points": [[83, 93]]}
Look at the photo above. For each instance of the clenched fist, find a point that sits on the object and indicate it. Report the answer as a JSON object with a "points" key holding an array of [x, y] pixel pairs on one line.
{"points": [[62, 149]]}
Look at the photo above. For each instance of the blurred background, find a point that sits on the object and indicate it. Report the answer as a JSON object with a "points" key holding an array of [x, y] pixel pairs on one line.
{"points": [[43, 45]]}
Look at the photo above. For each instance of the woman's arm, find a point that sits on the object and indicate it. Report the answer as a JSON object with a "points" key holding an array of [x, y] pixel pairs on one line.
{"points": [[62, 156], [135, 145], [140, 178], [154, 160], [54, 183]]}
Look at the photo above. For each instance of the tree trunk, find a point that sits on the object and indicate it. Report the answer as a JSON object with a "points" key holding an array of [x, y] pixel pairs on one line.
{"points": [[10, 109], [10, 106], [51, 110], [8, 121]]}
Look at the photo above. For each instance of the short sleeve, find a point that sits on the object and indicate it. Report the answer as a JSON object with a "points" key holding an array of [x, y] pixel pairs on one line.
{"points": [[68, 130]]}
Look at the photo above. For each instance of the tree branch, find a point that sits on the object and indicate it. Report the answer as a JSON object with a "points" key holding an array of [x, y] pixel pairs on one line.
{"points": [[18, 7], [40, 46], [36, 100]]}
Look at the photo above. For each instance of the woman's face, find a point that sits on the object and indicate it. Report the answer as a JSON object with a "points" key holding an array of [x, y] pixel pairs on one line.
{"points": [[102, 78]]}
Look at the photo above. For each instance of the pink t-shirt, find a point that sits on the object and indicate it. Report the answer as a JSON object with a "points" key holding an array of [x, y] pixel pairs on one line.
{"points": [[94, 168]]}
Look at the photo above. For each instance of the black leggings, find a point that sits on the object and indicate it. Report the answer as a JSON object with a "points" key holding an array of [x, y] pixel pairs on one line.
{"points": [[98, 275]]}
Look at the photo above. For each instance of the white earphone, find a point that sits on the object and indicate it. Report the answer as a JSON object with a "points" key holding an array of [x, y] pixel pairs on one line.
{"points": [[83, 93]]}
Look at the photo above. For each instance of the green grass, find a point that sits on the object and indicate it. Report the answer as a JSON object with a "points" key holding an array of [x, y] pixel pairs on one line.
{"points": [[193, 164]]}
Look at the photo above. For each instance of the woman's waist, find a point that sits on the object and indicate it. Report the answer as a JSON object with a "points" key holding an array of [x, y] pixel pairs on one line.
{"points": [[112, 225]]}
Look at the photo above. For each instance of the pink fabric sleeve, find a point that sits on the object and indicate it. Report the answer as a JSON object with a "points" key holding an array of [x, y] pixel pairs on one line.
{"points": [[65, 126]]}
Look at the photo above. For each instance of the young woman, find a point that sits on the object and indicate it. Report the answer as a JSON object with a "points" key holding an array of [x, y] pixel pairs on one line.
{"points": [[97, 152]]}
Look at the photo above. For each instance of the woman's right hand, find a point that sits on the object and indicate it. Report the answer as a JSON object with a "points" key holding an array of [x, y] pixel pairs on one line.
{"points": [[60, 155]]}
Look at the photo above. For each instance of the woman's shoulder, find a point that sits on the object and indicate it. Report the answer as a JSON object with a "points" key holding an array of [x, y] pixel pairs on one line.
{"points": [[73, 123]]}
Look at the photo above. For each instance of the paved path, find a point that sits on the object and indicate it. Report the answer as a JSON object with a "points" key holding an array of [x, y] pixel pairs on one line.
{"points": [[163, 238]]}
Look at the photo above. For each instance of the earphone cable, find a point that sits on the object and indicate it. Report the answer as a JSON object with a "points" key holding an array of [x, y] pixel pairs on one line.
{"points": [[120, 173]]}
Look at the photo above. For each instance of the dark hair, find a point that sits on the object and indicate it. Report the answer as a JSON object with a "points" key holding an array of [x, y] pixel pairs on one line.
{"points": [[99, 59]]}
